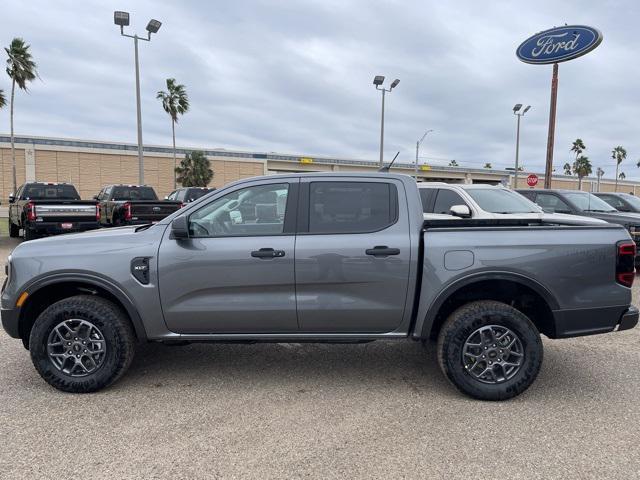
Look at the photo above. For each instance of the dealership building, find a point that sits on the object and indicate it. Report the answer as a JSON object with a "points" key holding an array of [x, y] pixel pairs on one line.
{"points": [[90, 165]]}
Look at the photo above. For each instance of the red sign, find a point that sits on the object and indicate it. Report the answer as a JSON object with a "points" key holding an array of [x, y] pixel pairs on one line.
{"points": [[532, 180]]}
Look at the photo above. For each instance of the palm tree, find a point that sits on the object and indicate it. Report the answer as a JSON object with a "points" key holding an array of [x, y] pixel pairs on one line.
{"points": [[567, 169], [21, 69], [618, 154], [453, 163], [578, 147], [582, 168], [194, 170], [3, 100], [175, 102], [622, 176], [487, 165]]}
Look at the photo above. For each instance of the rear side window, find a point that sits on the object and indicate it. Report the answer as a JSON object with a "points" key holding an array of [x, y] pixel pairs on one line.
{"points": [[425, 197], [351, 207], [447, 199], [134, 193], [46, 192]]}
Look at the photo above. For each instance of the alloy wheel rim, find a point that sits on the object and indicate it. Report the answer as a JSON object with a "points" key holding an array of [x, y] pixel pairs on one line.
{"points": [[493, 354], [76, 347]]}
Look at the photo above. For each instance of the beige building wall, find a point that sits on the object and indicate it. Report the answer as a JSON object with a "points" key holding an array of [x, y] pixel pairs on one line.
{"points": [[89, 171]]}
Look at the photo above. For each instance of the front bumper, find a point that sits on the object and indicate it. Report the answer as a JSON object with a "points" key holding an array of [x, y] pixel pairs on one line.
{"points": [[591, 321], [54, 228], [10, 321]]}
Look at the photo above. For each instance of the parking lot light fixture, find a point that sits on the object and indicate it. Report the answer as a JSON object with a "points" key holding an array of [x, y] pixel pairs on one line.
{"points": [[122, 20], [378, 80], [518, 113]]}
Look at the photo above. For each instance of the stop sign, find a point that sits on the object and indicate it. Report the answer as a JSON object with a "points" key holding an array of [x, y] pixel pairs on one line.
{"points": [[532, 180]]}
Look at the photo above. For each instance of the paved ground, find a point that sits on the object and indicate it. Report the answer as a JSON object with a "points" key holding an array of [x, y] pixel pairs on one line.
{"points": [[355, 411]]}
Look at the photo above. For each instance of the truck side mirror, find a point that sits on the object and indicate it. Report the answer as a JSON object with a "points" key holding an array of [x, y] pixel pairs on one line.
{"points": [[12, 198], [461, 211], [180, 227]]}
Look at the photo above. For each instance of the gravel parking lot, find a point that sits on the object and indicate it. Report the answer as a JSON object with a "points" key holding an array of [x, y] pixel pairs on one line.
{"points": [[323, 411]]}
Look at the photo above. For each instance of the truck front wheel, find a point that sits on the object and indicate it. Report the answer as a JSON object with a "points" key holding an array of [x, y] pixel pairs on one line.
{"points": [[489, 350], [82, 344]]}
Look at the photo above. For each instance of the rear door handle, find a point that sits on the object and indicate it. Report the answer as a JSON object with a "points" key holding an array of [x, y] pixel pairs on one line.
{"points": [[267, 253], [382, 251]]}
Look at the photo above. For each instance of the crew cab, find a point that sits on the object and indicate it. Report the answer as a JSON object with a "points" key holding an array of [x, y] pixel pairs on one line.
{"points": [[315, 257], [47, 208], [132, 205], [481, 201], [188, 194]]}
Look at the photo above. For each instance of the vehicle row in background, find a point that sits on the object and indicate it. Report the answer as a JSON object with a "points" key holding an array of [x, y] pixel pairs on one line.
{"points": [[585, 204], [480, 201], [187, 195], [39, 208], [50, 208]]}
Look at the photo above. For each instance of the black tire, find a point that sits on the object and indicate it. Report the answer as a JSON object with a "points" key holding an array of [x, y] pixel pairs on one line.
{"points": [[28, 234], [463, 325], [14, 230], [116, 333]]}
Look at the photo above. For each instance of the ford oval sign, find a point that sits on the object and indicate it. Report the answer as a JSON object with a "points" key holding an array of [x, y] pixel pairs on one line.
{"points": [[559, 44]]}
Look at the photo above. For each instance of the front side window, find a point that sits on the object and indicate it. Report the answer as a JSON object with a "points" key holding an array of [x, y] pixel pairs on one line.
{"points": [[253, 211], [615, 202], [447, 199], [351, 207]]}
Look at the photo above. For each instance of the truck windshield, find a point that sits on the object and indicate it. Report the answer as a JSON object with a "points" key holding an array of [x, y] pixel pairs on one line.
{"points": [[588, 202], [47, 192], [196, 193], [134, 193], [500, 200]]}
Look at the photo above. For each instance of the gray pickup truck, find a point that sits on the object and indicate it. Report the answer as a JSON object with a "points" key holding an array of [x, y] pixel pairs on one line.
{"points": [[319, 258]]}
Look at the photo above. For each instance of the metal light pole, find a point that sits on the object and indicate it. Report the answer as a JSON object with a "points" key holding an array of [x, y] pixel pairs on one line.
{"points": [[378, 81], [122, 20], [418, 143], [518, 113]]}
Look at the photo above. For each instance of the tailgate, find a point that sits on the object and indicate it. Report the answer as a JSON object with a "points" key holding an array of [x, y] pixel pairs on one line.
{"points": [[153, 211], [65, 211]]}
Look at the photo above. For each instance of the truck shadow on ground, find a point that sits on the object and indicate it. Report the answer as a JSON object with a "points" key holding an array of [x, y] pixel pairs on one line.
{"points": [[408, 366]]}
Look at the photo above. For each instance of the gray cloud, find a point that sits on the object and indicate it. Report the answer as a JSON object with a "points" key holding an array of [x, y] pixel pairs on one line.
{"points": [[296, 77]]}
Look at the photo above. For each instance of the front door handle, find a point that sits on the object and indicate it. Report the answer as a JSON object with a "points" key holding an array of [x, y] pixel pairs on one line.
{"points": [[267, 253], [382, 251]]}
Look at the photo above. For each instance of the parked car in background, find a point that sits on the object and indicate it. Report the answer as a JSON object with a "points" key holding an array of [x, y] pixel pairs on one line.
{"points": [[311, 257], [188, 194], [575, 202], [623, 202], [132, 205], [487, 201], [47, 208]]}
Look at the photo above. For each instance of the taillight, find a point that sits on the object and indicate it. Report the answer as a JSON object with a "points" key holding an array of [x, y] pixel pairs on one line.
{"points": [[127, 211], [31, 211], [98, 212], [625, 263]]}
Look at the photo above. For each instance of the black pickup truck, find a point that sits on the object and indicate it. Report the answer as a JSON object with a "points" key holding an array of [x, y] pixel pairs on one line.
{"points": [[40, 208], [132, 205]]}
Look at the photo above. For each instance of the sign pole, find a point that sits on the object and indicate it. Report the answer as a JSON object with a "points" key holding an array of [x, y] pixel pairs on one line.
{"points": [[548, 171]]}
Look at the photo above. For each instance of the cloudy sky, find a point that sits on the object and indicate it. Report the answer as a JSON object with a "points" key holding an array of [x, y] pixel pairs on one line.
{"points": [[295, 77]]}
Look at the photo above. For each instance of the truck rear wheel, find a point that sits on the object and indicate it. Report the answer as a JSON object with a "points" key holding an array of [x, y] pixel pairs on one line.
{"points": [[489, 350], [14, 230], [82, 344]]}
